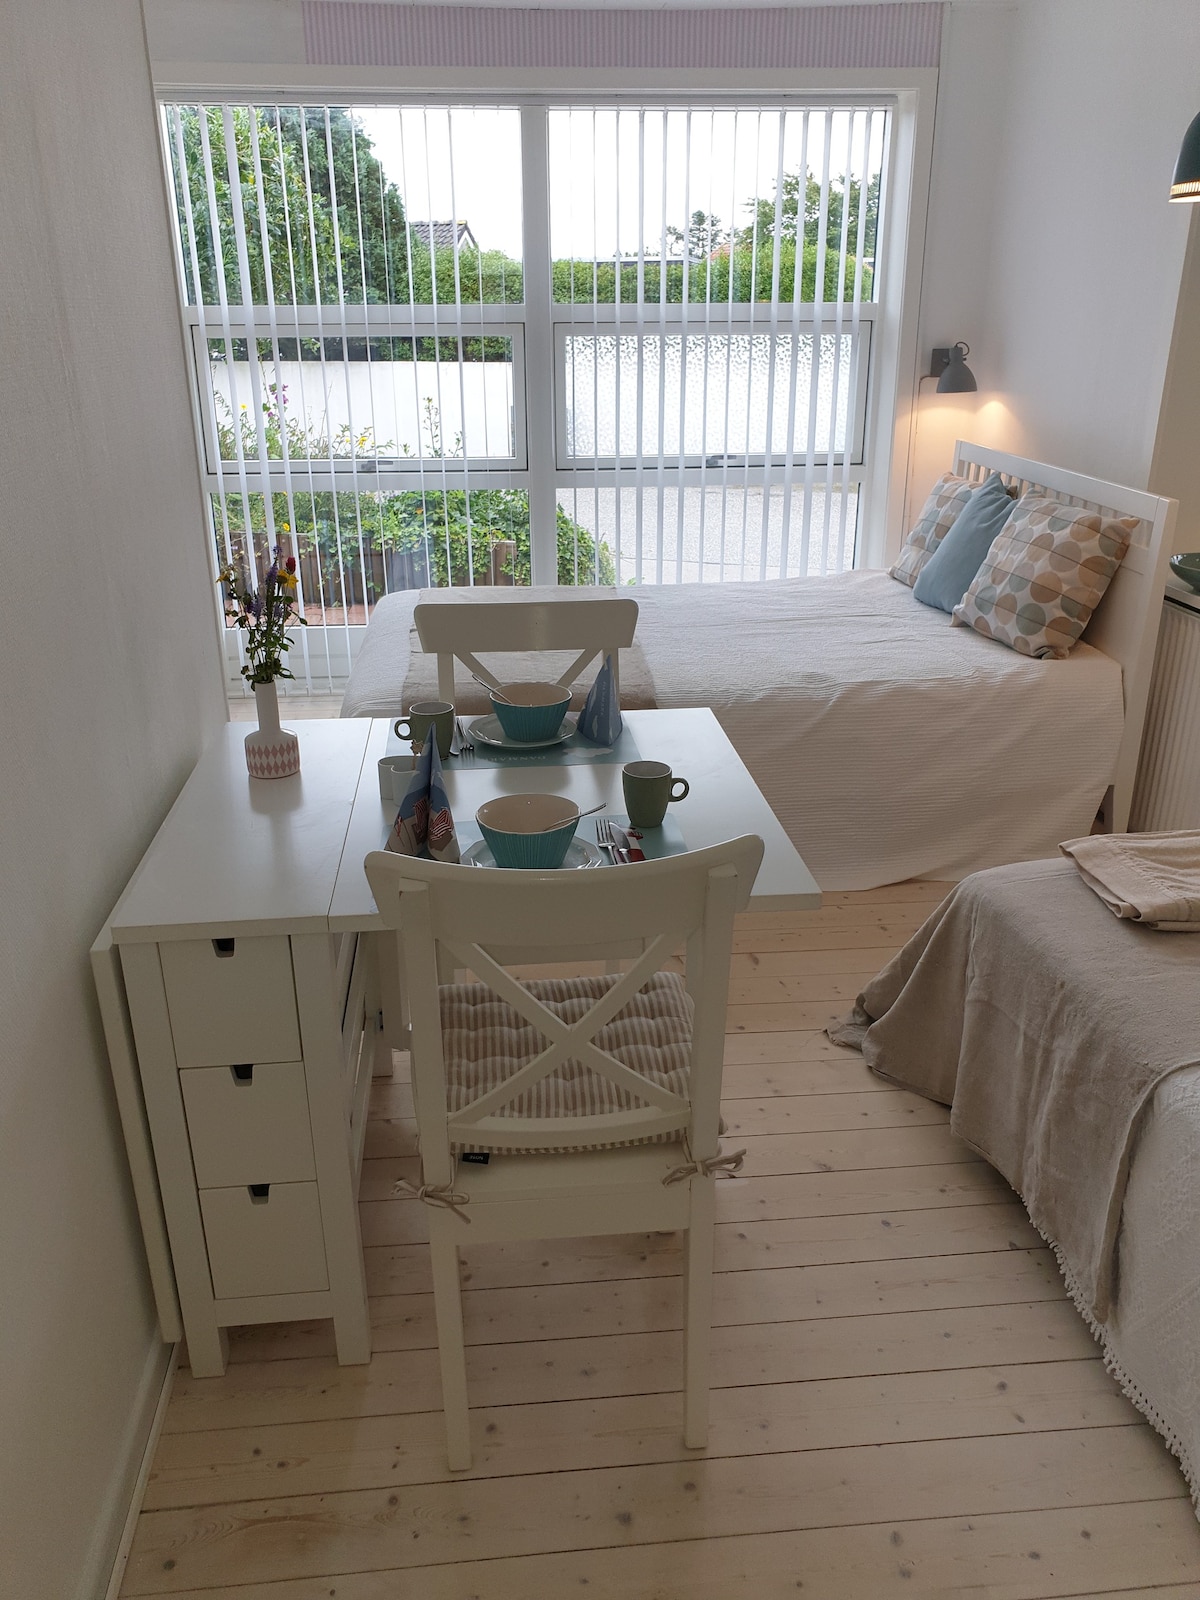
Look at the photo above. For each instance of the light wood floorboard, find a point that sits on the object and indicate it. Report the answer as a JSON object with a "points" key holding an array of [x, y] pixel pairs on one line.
{"points": [[242, 707], [904, 1401]]}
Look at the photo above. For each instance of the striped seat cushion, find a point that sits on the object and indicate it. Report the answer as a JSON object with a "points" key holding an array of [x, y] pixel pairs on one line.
{"points": [[485, 1041]]}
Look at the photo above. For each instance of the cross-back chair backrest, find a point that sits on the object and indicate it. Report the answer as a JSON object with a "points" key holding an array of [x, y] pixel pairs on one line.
{"points": [[483, 919], [464, 629]]}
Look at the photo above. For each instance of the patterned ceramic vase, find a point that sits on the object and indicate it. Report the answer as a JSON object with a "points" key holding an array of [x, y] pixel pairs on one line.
{"points": [[271, 751]]}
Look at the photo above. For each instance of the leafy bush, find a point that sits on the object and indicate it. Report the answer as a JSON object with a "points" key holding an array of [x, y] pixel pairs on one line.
{"points": [[443, 537]]}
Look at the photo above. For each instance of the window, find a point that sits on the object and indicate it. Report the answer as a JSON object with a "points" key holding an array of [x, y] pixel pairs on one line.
{"points": [[452, 344]]}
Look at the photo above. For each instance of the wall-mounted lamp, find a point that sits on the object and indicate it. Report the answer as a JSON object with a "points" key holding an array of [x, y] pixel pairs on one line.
{"points": [[949, 367], [1185, 185]]}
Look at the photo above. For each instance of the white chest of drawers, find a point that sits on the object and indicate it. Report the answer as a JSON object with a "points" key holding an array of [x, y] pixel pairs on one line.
{"points": [[249, 1038]]}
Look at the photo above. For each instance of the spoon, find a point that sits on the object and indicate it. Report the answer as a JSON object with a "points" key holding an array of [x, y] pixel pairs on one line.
{"points": [[554, 826], [483, 684]]}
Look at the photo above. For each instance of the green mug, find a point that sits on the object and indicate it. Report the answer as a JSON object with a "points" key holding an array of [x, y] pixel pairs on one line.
{"points": [[649, 786], [426, 714]]}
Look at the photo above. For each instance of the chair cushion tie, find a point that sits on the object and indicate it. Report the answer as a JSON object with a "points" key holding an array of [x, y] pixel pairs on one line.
{"points": [[721, 1165], [444, 1195]]}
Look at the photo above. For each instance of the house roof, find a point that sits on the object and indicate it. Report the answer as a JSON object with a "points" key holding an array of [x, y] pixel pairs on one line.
{"points": [[445, 234]]}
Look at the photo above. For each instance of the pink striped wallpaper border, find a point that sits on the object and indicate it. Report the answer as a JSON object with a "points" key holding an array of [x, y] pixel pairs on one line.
{"points": [[375, 33]]}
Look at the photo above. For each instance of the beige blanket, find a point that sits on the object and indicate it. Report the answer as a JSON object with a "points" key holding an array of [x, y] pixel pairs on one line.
{"points": [[1045, 1025], [470, 699], [1152, 878]]}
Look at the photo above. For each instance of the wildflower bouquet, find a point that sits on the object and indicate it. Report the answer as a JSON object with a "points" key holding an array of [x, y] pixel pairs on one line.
{"points": [[264, 616]]}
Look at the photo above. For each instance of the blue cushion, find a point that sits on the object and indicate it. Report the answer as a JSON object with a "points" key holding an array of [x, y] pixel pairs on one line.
{"points": [[947, 575]]}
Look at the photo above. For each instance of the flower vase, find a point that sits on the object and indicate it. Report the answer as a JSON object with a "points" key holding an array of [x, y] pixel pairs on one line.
{"points": [[271, 751]]}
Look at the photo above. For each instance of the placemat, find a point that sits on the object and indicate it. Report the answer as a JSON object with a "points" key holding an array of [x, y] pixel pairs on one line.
{"points": [[655, 842], [573, 752]]}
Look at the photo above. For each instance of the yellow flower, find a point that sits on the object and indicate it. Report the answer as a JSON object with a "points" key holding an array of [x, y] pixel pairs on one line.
{"points": [[286, 526], [286, 578]]}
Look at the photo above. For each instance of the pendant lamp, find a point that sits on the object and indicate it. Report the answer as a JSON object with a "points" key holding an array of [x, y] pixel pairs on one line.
{"points": [[1185, 185]]}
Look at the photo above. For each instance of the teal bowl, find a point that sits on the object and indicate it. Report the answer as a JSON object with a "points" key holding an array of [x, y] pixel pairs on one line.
{"points": [[538, 712], [520, 831], [1187, 569]]}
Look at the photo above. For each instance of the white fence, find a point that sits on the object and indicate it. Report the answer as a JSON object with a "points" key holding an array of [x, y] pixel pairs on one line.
{"points": [[416, 408]]}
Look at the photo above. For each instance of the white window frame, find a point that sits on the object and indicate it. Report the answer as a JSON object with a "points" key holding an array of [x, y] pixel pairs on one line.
{"points": [[890, 398]]}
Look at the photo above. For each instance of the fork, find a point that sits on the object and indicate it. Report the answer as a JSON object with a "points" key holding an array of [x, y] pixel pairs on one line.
{"points": [[605, 840], [464, 744]]}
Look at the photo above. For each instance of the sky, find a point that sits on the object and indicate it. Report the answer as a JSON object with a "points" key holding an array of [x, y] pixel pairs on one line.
{"points": [[615, 174]]}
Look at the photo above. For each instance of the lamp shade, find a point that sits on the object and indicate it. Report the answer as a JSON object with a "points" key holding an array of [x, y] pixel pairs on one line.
{"points": [[957, 378], [1185, 185]]}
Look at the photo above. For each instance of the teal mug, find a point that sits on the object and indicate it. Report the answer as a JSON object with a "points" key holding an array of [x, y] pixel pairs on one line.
{"points": [[649, 787], [426, 714]]}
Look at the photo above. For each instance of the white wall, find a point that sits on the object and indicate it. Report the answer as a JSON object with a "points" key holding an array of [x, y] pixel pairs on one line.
{"points": [[110, 686], [974, 93], [1173, 470], [1070, 310]]}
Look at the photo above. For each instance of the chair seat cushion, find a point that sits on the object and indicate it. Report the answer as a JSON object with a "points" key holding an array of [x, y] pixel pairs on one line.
{"points": [[486, 1041]]}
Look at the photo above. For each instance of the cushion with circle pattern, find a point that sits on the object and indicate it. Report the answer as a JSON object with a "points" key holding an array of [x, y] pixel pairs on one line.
{"points": [[1044, 575], [947, 499]]}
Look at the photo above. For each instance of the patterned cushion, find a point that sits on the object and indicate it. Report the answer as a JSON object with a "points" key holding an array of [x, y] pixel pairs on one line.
{"points": [[1045, 574], [485, 1040], [947, 498]]}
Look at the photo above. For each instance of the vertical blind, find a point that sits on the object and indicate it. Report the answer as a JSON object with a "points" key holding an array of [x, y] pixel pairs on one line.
{"points": [[412, 372], [715, 291]]}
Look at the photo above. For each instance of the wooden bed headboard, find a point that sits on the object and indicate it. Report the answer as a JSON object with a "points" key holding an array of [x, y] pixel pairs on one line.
{"points": [[1125, 624]]}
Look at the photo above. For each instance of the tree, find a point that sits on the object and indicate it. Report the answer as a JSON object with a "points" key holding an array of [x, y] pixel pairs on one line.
{"points": [[333, 226], [704, 235], [760, 235]]}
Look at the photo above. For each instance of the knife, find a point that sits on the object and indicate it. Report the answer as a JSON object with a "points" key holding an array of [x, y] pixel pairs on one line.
{"points": [[626, 842]]}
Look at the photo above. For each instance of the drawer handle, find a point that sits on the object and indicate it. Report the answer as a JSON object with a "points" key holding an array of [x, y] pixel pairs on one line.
{"points": [[243, 1072], [260, 1193], [223, 947]]}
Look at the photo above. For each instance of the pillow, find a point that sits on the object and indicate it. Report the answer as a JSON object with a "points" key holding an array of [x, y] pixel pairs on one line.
{"points": [[946, 499], [947, 574], [1044, 576]]}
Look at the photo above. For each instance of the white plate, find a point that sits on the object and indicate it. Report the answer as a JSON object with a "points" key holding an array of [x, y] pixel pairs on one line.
{"points": [[579, 854], [488, 730]]}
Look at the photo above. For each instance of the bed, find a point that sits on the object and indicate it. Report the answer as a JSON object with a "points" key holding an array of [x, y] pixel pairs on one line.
{"points": [[1066, 1042], [889, 743]]}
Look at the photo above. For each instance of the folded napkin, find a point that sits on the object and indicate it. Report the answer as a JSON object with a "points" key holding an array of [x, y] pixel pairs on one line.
{"points": [[423, 825], [1151, 878], [600, 719]]}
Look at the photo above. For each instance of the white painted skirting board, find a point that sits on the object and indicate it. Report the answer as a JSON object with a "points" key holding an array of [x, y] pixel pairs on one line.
{"points": [[111, 1541]]}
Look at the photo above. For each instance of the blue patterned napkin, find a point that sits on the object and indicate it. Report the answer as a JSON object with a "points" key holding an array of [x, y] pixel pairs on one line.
{"points": [[423, 825], [600, 720]]}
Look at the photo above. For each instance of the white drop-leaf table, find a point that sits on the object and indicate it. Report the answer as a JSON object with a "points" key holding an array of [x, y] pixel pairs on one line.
{"points": [[245, 982]]}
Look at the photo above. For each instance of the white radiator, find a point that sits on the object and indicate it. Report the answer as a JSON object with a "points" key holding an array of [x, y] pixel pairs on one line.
{"points": [[1167, 794]]}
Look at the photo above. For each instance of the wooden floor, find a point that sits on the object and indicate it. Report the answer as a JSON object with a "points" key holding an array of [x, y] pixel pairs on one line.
{"points": [[242, 707], [905, 1401]]}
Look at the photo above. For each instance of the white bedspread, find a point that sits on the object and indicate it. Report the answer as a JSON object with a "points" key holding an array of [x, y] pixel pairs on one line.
{"points": [[888, 743]]}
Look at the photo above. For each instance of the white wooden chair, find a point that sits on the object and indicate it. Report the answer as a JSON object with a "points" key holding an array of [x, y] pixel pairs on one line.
{"points": [[559, 1119], [464, 628]]}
